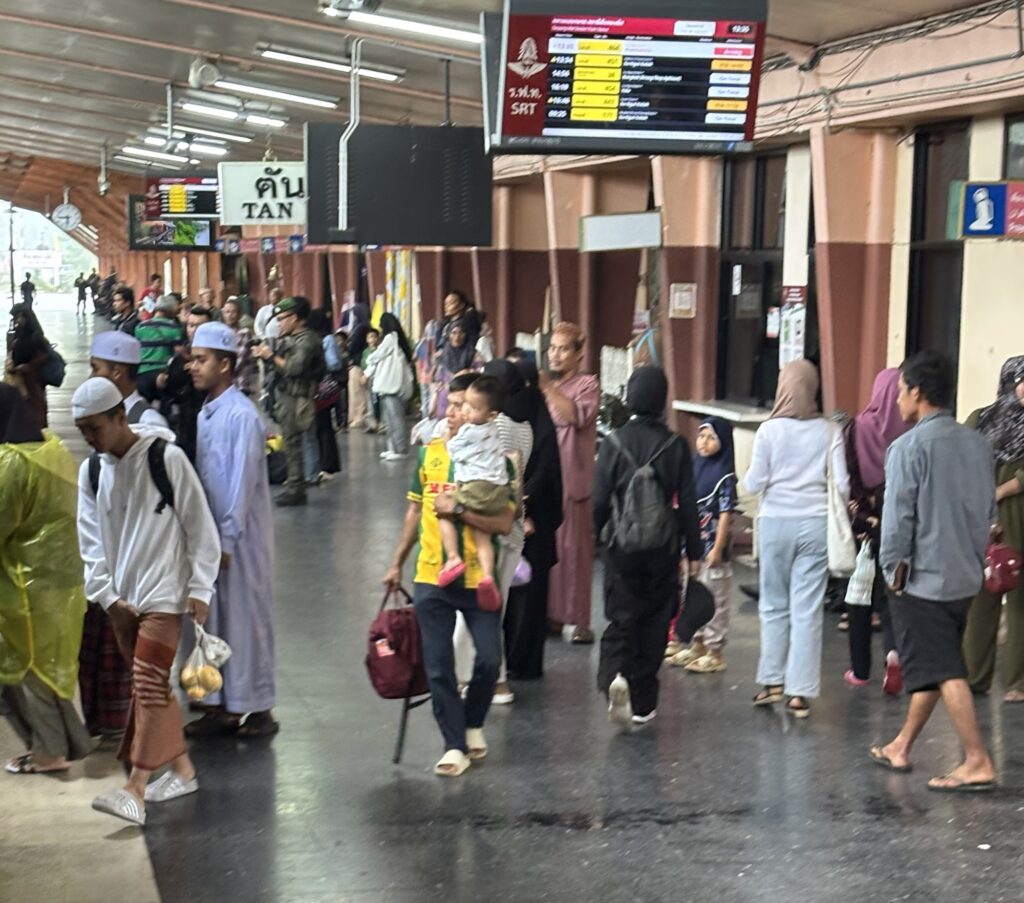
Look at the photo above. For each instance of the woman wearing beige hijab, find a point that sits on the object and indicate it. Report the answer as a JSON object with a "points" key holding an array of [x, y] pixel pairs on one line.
{"points": [[788, 468]]}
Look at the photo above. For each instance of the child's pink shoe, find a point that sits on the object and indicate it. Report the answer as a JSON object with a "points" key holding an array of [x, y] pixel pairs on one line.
{"points": [[450, 573], [487, 596]]}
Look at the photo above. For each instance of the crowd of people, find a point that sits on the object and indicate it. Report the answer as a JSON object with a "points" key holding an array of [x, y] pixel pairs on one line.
{"points": [[169, 521]]}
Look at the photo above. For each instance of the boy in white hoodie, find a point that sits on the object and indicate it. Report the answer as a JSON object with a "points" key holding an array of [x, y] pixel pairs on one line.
{"points": [[151, 554]]}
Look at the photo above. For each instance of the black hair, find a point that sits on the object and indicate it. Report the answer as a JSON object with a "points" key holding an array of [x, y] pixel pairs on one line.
{"points": [[515, 353], [132, 371], [176, 296], [319, 323], [114, 411], [492, 389], [932, 373], [302, 307], [126, 292], [374, 330], [462, 381], [462, 296], [200, 311], [226, 356], [156, 276]]}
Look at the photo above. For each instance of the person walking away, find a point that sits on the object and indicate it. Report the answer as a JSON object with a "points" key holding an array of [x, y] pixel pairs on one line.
{"points": [[153, 566], [82, 284], [940, 505], [161, 337], [41, 596], [28, 291], [714, 477], [573, 399], [789, 467], [125, 317], [481, 472], [324, 436], [233, 471], [1002, 424], [389, 370], [298, 360], [27, 351], [641, 585], [461, 721], [867, 438], [527, 609]]}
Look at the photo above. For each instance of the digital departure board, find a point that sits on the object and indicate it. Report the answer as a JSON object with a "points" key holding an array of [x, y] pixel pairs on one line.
{"points": [[181, 197], [603, 83]]}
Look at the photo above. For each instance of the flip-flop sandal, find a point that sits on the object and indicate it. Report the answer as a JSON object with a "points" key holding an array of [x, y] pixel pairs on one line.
{"points": [[476, 743], [121, 804], [801, 710], [257, 724], [26, 765], [487, 596], [881, 759], [961, 786], [212, 724], [453, 764], [450, 573], [769, 696]]}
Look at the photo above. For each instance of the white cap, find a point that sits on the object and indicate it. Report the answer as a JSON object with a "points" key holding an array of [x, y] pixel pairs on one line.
{"points": [[116, 347], [95, 396], [216, 336]]}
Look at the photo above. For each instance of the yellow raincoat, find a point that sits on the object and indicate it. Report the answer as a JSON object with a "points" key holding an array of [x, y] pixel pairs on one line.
{"points": [[42, 601]]}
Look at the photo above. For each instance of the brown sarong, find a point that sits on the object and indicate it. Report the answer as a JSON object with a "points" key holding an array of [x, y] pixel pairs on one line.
{"points": [[154, 735]]}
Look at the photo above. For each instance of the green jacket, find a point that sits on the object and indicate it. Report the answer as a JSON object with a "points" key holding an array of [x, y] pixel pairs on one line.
{"points": [[304, 365]]}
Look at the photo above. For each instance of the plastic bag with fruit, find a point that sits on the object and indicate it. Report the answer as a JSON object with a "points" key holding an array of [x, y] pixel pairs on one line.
{"points": [[200, 675]]}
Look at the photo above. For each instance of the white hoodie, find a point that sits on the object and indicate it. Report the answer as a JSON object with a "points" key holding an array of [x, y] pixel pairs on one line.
{"points": [[154, 562]]}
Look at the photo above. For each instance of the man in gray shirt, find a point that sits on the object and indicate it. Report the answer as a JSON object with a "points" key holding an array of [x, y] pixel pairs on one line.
{"points": [[938, 512]]}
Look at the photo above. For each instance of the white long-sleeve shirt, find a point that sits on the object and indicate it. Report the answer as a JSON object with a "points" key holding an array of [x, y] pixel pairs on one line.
{"points": [[154, 562], [788, 467]]}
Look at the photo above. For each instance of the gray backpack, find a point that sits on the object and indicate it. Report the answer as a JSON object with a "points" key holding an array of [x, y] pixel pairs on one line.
{"points": [[642, 521]]}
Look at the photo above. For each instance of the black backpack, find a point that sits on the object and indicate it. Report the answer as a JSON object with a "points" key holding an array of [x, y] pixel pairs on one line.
{"points": [[157, 471], [642, 521]]}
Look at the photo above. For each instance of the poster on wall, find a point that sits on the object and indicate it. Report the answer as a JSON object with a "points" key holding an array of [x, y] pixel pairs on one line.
{"points": [[682, 301], [262, 193], [792, 334]]}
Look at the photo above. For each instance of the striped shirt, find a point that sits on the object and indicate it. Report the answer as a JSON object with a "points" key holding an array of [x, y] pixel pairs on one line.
{"points": [[159, 337]]}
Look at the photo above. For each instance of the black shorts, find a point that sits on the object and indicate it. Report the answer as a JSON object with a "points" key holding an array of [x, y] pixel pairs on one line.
{"points": [[929, 640]]}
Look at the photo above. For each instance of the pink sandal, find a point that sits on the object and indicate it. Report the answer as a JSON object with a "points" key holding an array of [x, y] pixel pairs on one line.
{"points": [[487, 596], [450, 573]]}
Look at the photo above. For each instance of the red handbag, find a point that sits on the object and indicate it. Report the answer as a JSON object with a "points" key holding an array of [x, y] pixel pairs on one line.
{"points": [[1002, 568], [394, 656]]}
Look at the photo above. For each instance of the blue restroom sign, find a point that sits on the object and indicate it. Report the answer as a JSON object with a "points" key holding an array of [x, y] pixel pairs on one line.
{"points": [[985, 208]]}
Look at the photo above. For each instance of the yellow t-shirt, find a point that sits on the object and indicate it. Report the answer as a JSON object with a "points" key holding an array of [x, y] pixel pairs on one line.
{"points": [[435, 474]]}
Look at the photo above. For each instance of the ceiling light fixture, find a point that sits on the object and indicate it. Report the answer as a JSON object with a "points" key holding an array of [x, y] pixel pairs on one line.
{"points": [[410, 26], [300, 59], [154, 141], [153, 155], [308, 100], [201, 109], [267, 121], [207, 150], [180, 130]]}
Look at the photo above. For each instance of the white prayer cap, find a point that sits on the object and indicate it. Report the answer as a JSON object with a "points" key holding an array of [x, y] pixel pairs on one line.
{"points": [[95, 396], [116, 347], [216, 336]]}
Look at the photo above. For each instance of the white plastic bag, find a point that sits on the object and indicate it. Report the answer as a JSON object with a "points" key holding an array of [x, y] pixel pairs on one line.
{"points": [[200, 675], [858, 591], [842, 548], [216, 650]]}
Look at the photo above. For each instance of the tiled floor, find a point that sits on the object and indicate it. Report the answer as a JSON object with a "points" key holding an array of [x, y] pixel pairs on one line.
{"points": [[717, 801]]}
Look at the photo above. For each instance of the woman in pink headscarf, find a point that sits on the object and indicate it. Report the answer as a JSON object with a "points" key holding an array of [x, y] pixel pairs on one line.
{"points": [[868, 437], [573, 398]]}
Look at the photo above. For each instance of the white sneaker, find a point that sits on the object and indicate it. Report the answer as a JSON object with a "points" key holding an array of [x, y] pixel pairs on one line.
{"points": [[643, 720], [620, 709], [170, 786]]}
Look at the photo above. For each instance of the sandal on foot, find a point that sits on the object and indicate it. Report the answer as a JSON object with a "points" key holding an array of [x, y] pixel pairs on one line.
{"points": [[170, 786], [707, 664], [959, 786], [212, 724], [453, 764], [477, 744], [121, 804], [687, 656], [880, 758], [26, 765], [487, 596], [798, 709], [1012, 697], [450, 573], [257, 724], [582, 636], [769, 696]]}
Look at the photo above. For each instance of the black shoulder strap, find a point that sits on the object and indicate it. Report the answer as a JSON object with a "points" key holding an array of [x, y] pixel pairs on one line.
{"points": [[613, 438], [663, 448], [158, 471], [137, 410], [94, 472]]}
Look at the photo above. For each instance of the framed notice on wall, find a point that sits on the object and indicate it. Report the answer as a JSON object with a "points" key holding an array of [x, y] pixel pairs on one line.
{"points": [[682, 300]]}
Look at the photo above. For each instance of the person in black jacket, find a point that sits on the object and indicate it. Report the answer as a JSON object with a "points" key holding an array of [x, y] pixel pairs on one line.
{"points": [[642, 590]]}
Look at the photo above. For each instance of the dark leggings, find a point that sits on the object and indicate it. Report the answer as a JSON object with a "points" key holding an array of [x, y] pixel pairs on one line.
{"points": [[860, 628]]}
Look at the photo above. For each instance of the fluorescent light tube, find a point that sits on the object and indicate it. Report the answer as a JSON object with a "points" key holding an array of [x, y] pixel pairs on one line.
{"points": [[202, 110], [153, 155], [299, 59], [268, 121], [207, 150], [275, 94], [417, 27], [180, 130]]}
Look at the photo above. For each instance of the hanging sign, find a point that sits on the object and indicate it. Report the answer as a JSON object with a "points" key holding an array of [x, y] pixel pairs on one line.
{"points": [[792, 337], [992, 209], [262, 194]]}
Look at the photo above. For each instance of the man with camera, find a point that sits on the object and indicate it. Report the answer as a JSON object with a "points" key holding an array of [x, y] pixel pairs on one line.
{"points": [[297, 357]]}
